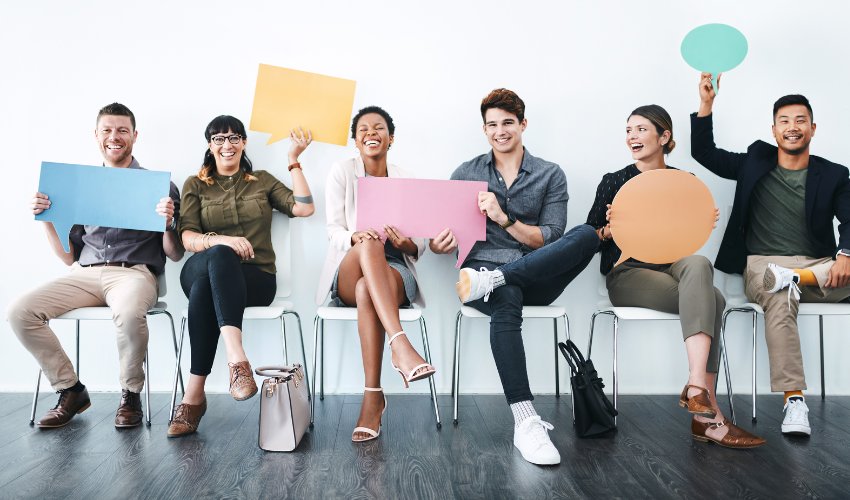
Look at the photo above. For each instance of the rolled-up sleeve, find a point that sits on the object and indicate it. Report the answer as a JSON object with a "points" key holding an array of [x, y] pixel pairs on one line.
{"points": [[280, 196], [553, 213]]}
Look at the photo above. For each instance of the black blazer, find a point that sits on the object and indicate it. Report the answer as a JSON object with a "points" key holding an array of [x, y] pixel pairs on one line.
{"points": [[827, 194]]}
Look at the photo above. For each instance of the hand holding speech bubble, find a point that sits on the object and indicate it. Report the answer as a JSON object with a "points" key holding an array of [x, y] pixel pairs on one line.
{"points": [[714, 48], [102, 196], [286, 98], [661, 216], [423, 208]]}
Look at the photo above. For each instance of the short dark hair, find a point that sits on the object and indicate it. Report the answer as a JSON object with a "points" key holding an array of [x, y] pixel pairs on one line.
{"points": [[367, 110], [659, 117], [505, 100], [790, 100], [116, 109]]}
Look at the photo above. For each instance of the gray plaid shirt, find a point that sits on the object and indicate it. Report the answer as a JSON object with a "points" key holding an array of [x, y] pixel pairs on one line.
{"points": [[538, 197]]}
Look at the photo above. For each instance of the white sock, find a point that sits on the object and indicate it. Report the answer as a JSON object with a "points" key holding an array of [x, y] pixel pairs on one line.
{"points": [[522, 411], [498, 278]]}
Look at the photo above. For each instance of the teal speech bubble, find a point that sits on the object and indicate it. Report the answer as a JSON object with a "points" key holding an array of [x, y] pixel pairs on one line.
{"points": [[714, 48]]}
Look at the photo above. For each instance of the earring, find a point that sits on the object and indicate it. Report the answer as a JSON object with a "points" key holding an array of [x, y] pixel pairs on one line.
{"points": [[389, 148]]}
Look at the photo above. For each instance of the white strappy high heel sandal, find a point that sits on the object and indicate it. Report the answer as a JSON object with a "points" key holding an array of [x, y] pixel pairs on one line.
{"points": [[410, 377], [366, 430]]}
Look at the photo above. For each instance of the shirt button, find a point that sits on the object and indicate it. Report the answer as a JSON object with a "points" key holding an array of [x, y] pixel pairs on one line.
{"points": [[108, 246], [509, 199], [500, 179], [107, 262]]}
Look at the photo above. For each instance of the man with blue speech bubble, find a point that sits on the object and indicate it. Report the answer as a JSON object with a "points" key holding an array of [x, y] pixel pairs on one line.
{"points": [[109, 266], [780, 233]]}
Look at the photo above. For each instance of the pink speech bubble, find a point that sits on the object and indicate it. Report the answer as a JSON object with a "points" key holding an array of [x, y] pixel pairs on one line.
{"points": [[423, 208]]}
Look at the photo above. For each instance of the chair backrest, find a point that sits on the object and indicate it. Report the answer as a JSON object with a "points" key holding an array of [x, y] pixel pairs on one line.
{"points": [[601, 287], [281, 241], [161, 287]]}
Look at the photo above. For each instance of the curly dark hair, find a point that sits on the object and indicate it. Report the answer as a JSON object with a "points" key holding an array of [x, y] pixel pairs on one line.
{"points": [[367, 110]]}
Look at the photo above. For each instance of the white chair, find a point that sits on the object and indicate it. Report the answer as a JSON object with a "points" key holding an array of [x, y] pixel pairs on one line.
{"points": [[104, 313], [738, 302], [528, 312], [406, 315], [644, 314], [274, 311]]}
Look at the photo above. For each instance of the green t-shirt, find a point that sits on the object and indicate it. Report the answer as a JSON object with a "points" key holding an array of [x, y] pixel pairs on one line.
{"points": [[777, 218]]}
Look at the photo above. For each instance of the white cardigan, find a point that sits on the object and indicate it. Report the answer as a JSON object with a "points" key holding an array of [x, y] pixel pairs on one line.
{"points": [[341, 207]]}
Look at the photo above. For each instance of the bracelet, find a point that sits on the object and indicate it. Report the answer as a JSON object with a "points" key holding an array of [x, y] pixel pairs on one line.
{"points": [[206, 242], [295, 165]]}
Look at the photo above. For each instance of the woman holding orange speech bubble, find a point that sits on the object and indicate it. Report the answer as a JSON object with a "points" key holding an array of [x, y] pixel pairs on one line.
{"points": [[684, 287], [371, 270], [227, 223]]}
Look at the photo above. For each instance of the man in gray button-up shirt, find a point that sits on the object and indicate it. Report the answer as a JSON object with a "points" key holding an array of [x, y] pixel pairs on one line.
{"points": [[526, 260], [109, 267]]}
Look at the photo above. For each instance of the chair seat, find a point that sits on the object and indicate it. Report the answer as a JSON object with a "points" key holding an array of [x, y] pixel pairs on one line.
{"points": [[271, 311], [806, 309], [636, 313], [100, 312], [350, 314], [527, 312]]}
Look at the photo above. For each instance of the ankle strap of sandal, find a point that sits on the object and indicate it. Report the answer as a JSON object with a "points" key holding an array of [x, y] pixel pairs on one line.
{"points": [[379, 389], [396, 335]]}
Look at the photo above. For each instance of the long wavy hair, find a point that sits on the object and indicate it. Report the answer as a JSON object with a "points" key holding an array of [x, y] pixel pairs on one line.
{"points": [[221, 125]]}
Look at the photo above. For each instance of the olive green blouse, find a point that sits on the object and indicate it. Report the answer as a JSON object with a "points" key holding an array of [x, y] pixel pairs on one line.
{"points": [[234, 207]]}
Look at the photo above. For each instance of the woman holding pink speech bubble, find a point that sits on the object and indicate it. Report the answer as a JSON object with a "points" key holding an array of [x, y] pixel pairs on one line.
{"points": [[228, 226], [684, 287], [364, 271]]}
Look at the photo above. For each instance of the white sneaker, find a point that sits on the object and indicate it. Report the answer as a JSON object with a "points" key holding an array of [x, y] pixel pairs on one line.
{"points": [[796, 417], [532, 440], [776, 278], [475, 284]]}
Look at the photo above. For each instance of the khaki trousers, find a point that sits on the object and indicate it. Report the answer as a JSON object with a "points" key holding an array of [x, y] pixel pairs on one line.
{"points": [[780, 322], [685, 287], [129, 292]]}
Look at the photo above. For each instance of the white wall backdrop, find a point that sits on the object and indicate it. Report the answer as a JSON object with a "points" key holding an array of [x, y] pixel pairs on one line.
{"points": [[580, 67]]}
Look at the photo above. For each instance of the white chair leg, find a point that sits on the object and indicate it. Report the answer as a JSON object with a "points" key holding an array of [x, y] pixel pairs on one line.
{"points": [[174, 338], [615, 364], [35, 398], [557, 376], [724, 355], [427, 350], [315, 349], [283, 340], [303, 352], [78, 348], [177, 370], [322, 358], [822, 377], [755, 322], [456, 377], [572, 396], [147, 388]]}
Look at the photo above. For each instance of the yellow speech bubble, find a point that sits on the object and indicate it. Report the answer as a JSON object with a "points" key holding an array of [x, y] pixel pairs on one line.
{"points": [[661, 216], [286, 98]]}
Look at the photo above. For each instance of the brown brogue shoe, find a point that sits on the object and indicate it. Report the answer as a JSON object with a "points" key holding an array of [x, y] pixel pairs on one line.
{"points": [[699, 404], [242, 384], [70, 403], [186, 419], [129, 412], [735, 437]]}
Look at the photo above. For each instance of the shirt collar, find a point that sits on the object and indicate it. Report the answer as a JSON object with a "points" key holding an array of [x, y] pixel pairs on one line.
{"points": [[133, 164], [527, 160]]}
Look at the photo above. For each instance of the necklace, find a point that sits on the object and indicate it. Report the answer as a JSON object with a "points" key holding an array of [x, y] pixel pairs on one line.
{"points": [[226, 190]]}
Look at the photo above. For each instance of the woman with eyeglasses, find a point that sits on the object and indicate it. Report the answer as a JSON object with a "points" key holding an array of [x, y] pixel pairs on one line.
{"points": [[226, 220]]}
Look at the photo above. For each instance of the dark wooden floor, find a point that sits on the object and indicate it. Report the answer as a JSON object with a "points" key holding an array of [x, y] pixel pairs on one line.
{"points": [[651, 456]]}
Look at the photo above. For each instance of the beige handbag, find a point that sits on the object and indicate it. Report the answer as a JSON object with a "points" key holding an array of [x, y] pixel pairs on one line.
{"points": [[284, 408]]}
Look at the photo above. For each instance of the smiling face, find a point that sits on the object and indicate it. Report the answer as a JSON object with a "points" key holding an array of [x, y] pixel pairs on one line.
{"points": [[227, 156], [373, 137], [115, 136], [793, 129], [643, 140], [503, 130]]}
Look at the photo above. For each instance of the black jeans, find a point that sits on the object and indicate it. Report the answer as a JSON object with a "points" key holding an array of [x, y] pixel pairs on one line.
{"points": [[219, 287], [537, 279]]}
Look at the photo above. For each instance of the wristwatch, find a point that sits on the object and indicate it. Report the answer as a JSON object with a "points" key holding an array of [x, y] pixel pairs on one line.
{"points": [[511, 220], [173, 225]]}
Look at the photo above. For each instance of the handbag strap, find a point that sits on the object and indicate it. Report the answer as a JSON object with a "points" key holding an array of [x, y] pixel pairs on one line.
{"points": [[565, 351], [277, 371], [574, 350]]}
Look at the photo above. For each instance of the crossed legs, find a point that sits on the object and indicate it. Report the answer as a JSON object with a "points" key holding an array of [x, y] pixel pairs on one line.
{"points": [[366, 281]]}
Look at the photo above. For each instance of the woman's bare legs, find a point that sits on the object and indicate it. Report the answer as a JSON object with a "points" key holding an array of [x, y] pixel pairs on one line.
{"points": [[367, 281], [697, 347], [232, 336]]}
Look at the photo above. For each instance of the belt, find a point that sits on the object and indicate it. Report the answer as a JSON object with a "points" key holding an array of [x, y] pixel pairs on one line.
{"points": [[111, 264]]}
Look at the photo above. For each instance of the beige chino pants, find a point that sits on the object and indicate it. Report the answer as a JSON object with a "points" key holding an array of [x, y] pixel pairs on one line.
{"points": [[780, 322], [129, 292]]}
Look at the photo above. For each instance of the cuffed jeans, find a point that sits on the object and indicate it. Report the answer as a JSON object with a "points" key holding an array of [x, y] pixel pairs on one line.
{"points": [[219, 287], [537, 279]]}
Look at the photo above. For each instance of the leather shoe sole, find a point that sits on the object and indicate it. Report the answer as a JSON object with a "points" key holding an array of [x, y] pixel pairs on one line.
{"points": [[46, 426], [122, 426]]}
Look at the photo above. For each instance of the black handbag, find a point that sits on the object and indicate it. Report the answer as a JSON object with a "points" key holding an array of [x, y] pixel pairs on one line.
{"points": [[594, 414]]}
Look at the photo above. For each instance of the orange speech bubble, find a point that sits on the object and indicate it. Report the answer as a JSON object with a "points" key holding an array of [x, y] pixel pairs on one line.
{"points": [[660, 216], [286, 98]]}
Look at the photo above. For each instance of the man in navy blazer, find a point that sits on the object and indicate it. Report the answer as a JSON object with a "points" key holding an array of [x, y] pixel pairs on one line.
{"points": [[780, 234]]}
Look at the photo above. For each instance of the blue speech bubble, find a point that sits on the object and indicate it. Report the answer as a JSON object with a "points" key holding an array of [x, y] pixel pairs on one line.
{"points": [[101, 196], [714, 48]]}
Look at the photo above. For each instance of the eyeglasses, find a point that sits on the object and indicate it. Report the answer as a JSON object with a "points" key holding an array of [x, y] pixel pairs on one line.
{"points": [[219, 139]]}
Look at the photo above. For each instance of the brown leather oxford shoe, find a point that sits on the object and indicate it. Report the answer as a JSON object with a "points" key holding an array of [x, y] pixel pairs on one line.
{"points": [[129, 412], [242, 384], [186, 419], [70, 403]]}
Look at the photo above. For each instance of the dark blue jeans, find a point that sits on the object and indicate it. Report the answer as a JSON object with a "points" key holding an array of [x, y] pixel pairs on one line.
{"points": [[219, 287], [537, 279]]}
